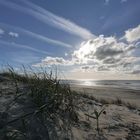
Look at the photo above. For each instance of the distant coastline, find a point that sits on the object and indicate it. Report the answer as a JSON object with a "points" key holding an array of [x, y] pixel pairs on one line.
{"points": [[123, 84]]}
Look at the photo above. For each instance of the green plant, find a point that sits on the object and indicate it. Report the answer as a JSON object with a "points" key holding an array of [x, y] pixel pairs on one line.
{"points": [[96, 117]]}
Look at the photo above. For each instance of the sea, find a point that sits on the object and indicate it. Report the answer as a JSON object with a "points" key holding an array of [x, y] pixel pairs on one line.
{"points": [[124, 84]]}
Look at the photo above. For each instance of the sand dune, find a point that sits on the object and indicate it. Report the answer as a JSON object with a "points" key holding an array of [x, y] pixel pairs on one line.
{"points": [[118, 120]]}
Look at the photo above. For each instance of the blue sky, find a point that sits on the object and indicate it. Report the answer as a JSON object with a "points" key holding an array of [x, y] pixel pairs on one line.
{"points": [[83, 38]]}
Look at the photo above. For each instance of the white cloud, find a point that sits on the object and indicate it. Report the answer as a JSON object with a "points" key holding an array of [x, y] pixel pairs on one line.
{"points": [[23, 47], [100, 49], [133, 34], [38, 36], [46, 39], [61, 22], [1, 31], [102, 54], [53, 61], [107, 54], [66, 54], [13, 34], [95, 52], [51, 19]]}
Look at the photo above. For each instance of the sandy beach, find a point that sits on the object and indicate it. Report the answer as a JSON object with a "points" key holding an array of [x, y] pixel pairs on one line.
{"points": [[117, 120], [109, 93]]}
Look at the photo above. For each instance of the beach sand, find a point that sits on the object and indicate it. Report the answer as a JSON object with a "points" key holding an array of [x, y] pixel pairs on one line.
{"points": [[117, 122], [109, 93]]}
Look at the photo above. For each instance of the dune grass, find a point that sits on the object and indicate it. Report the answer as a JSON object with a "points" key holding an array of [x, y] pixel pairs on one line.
{"points": [[53, 102], [53, 106], [116, 101]]}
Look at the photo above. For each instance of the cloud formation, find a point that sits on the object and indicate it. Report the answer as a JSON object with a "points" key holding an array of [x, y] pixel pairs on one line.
{"points": [[49, 18], [11, 44], [13, 34], [36, 36], [107, 54], [100, 49], [103, 54], [133, 34], [53, 61]]}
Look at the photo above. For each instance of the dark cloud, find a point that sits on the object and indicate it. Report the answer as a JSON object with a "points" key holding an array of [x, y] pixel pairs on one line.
{"points": [[111, 60], [85, 67], [106, 51], [135, 72], [103, 68]]}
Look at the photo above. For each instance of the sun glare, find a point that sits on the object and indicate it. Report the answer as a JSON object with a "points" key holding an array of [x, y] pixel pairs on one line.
{"points": [[87, 83], [85, 51]]}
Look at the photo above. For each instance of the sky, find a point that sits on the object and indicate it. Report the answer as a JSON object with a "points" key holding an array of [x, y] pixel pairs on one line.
{"points": [[84, 39]]}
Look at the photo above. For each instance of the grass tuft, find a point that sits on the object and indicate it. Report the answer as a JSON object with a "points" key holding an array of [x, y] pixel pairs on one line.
{"points": [[52, 100]]}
